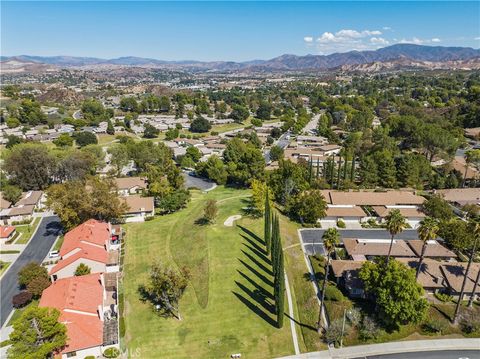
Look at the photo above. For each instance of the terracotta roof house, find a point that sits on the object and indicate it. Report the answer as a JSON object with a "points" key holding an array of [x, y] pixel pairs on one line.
{"points": [[461, 196], [361, 249], [433, 249], [346, 274], [431, 276], [130, 185], [7, 233], [92, 233], [85, 313], [454, 274], [138, 208]]}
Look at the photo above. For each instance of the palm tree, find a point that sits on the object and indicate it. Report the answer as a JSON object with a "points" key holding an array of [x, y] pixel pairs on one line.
{"points": [[331, 238], [395, 224], [475, 230], [427, 231]]}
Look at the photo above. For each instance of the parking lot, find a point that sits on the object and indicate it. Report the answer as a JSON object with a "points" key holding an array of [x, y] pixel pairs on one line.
{"points": [[312, 238]]}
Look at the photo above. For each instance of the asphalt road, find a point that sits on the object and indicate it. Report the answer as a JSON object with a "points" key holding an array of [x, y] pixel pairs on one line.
{"points": [[444, 354], [282, 142], [36, 251], [197, 182], [312, 238]]}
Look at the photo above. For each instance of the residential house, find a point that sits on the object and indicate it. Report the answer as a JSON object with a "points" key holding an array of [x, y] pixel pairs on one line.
{"points": [[130, 185], [433, 249], [89, 311], [454, 274], [362, 249], [92, 243], [346, 275], [7, 233], [431, 276], [22, 210], [139, 208]]}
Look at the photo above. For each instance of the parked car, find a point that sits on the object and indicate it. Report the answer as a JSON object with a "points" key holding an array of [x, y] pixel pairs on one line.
{"points": [[53, 254]]}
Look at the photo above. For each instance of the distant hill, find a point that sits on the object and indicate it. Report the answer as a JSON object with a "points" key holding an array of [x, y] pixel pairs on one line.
{"points": [[407, 53]]}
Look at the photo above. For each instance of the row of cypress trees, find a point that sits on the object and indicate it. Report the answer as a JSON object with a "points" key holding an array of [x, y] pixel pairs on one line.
{"points": [[273, 245]]}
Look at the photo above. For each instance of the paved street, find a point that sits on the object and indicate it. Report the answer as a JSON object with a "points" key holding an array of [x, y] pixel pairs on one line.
{"points": [[312, 238], [197, 182], [446, 354], [282, 142], [36, 250]]}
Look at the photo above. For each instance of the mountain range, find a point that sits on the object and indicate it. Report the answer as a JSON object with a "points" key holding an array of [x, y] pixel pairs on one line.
{"points": [[401, 54]]}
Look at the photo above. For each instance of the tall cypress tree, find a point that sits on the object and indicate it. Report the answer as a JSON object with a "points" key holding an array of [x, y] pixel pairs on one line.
{"points": [[352, 172], [274, 245], [268, 224], [339, 171], [279, 290]]}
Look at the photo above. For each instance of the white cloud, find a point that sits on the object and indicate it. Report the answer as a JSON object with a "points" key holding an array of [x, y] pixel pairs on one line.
{"points": [[436, 39], [414, 40], [379, 41], [308, 39], [477, 38], [386, 28]]}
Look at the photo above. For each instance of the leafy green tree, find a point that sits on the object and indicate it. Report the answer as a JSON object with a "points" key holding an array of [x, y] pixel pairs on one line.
{"points": [[119, 157], [30, 166], [331, 238], [395, 224], [37, 334], [289, 179], [276, 153], [213, 168], [11, 193], [427, 231], [93, 111], [150, 131], [435, 206], [85, 138], [194, 153], [12, 122], [171, 134], [307, 206], [129, 104], [64, 140], [264, 111], [13, 140], [472, 157], [397, 295], [164, 289], [29, 272], [239, 113], [244, 162], [37, 285], [110, 128], [210, 211], [173, 201], [259, 193], [82, 269], [267, 223], [200, 125]]}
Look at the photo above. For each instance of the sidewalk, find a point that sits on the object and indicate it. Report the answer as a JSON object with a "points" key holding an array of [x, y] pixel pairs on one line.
{"points": [[361, 351]]}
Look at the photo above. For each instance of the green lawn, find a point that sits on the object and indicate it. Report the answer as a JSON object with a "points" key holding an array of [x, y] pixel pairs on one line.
{"points": [[228, 305], [58, 243], [27, 230], [3, 267]]}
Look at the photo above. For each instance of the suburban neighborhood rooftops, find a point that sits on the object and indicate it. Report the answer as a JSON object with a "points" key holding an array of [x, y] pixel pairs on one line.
{"points": [[6, 231], [368, 198], [127, 183], [409, 212], [430, 273], [138, 204], [78, 300], [92, 253], [433, 249], [30, 198], [454, 274], [89, 233], [19, 210], [339, 267], [354, 211], [461, 196], [377, 247], [3, 202]]}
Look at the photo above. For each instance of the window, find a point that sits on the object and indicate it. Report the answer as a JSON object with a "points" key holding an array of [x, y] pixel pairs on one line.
{"points": [[71, 354]]}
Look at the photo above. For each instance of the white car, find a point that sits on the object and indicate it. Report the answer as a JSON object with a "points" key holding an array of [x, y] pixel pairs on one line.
{"points": [[53, 254]]}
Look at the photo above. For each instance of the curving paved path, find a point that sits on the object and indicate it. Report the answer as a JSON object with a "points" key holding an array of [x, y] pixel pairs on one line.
{"points": [[36, 250]]}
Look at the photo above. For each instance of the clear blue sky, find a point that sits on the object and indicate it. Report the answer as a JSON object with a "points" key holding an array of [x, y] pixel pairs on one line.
{"points": [[235, 31]]}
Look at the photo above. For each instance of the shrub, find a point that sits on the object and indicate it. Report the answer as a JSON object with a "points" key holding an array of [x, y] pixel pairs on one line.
{"points": [[341, 223], [354, 316], [21, 299], [29, 272], [369, 329], [333, 293], [334, 332], [82, 269], [443, 297], [111, 353], [37, 286], [256, 122], [89, 357], [435, 326], [469, 321], [149, 218]]}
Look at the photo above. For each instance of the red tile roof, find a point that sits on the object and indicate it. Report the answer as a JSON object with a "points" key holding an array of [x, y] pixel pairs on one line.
{"points": [[90, 233], [6, 231], [88, 252], [78, 300]]}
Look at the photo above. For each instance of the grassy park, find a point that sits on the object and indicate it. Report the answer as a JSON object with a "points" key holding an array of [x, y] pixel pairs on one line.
{"points": [[230, 274]]}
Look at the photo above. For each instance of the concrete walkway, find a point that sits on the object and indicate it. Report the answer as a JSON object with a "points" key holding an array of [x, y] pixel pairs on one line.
{"points": [[291, 315], [412, 346]]}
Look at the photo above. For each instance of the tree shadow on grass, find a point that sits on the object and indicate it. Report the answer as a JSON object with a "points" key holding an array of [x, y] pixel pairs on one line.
{"points": [[260, 265], [253, 235], [256, 285], [260, 248], [308, 326], [202, 221], [257, 273], [261, 256], [254, 308]]}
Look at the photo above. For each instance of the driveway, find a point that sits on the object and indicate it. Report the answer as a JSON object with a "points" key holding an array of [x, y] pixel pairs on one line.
{"points": [[312, 238], [36, 251], [197, 182]]}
